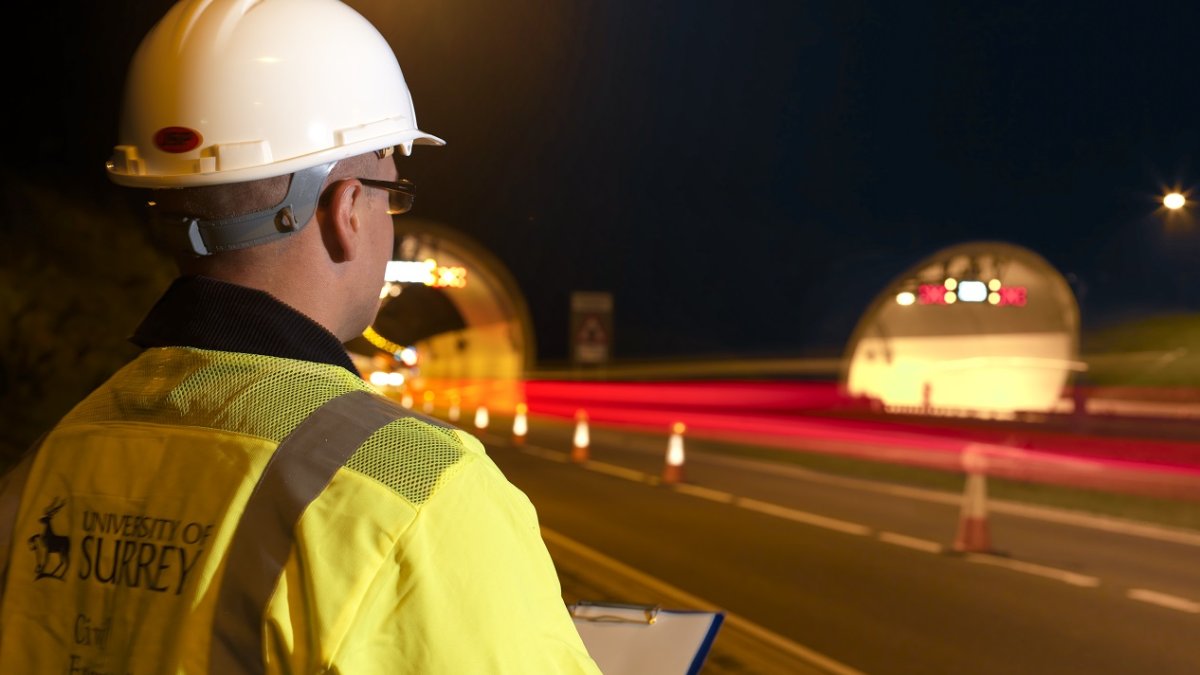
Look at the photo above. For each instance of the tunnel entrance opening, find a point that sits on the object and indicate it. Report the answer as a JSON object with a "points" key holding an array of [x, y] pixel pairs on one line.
{"points": [[473, 337]]}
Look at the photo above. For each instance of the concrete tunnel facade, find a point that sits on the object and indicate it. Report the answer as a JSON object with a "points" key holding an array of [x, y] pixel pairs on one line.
{"points": [[981, 329]]}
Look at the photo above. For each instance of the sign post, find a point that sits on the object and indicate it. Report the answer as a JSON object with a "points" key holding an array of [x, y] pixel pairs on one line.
{"points": [[591, 327]]}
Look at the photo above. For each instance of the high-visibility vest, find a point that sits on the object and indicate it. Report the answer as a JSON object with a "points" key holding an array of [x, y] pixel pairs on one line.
{"points": [[211, 512]]}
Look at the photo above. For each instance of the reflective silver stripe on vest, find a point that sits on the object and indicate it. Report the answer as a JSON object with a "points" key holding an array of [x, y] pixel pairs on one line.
{"points": [[301, 467]]}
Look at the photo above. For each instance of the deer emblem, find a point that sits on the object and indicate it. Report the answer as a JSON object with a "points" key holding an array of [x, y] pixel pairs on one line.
{"points": [[50, 543]]}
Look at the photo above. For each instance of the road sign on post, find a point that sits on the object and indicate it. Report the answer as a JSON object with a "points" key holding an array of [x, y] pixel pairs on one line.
{"points": [[591, 327]]}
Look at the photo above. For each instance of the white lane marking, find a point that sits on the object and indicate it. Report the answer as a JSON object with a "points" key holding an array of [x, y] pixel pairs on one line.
{"points": [[682, 597], [802, 516], [911, 542], [552, 455], [1164, 600], [1031, 511], [704, 493], [1072, 578], [1102, 523], [614, 470]]}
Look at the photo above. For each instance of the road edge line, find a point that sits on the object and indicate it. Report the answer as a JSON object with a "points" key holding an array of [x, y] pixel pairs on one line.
{"points": [[679, 595]]}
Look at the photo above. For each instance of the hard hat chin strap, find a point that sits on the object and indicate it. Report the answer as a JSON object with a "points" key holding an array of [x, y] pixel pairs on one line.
{"points": [[206, 237]]}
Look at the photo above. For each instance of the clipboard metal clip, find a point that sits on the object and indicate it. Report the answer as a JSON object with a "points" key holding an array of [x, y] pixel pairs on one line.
{"points": [[649, 612]]}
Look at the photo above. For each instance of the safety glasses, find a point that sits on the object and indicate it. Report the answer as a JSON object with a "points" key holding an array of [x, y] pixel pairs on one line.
{"points": [[400, 193]]}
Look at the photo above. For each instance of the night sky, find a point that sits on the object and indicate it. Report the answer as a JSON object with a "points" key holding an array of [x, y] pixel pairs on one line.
{"points": [[743, 177]]}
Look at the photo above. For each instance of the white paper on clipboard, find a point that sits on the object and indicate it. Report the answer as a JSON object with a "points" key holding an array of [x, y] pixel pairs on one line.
{"points": [[628, 639]]}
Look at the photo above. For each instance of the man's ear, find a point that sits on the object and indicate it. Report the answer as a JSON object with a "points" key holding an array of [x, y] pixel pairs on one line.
{"points": [[341, 229]]}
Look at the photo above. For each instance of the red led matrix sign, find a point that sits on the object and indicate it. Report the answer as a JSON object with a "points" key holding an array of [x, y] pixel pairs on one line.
{"points": [[931, 294], [935, 294], [1012, 295]]}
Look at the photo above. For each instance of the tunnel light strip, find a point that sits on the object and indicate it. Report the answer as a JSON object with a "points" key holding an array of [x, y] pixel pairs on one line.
{"points": [[381, 342], [426, 272], [970, 290], [411, 271]]}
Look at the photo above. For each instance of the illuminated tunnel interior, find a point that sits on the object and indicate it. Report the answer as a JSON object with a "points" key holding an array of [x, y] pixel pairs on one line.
{"points": [[418, 313], [462, 311]]}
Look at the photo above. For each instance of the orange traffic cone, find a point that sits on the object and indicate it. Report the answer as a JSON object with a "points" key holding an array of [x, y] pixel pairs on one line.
{"points": [[481, 417], [673, 468], [973, 531], [579, 445], [520, 424]]}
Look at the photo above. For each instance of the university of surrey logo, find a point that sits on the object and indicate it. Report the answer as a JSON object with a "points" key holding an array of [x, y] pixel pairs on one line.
{"points": [[49, 546]]}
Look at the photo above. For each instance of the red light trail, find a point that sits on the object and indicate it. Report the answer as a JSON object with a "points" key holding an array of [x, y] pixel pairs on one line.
{"points": [[814, 416]]}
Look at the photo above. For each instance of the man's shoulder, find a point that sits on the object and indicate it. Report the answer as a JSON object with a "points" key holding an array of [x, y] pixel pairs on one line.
{"points": [[413, 453], [250, 394]]}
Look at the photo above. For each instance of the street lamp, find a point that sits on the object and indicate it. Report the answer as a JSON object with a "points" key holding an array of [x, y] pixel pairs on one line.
{"points": [[1174, 210]]}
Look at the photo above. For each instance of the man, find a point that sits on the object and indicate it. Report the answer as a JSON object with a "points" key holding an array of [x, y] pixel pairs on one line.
{"points": [[237, 499]]}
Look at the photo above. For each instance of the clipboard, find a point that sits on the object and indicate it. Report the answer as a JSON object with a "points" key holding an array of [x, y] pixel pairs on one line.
{"points": [[625, 639]]}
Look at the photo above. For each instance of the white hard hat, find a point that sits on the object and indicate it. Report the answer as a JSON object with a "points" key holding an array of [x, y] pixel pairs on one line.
{"points": [[224, 91]]}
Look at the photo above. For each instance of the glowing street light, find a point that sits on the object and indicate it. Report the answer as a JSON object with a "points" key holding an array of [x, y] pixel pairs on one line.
{"points": [[1176, 212]]}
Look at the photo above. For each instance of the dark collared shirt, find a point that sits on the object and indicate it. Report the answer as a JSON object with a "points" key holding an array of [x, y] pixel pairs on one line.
{"points": [[205, 313]]}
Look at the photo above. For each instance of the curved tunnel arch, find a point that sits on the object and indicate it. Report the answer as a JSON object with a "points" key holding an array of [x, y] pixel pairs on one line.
{"points": [[990, 358], [479, 355]]}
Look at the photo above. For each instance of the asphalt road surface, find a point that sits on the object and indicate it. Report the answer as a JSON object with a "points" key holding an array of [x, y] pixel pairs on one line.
{"points": [[847, 576]]}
